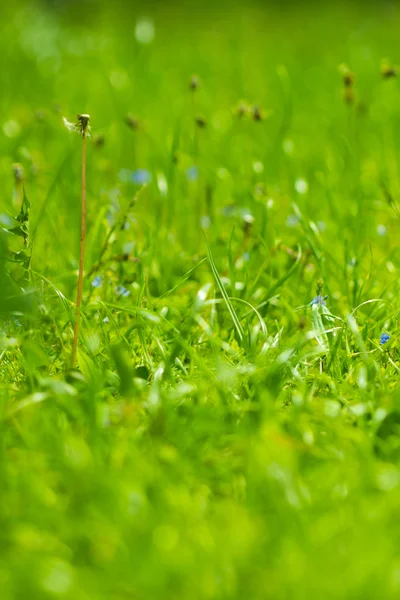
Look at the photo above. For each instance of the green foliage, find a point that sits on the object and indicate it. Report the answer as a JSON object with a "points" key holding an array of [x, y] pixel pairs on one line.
{"points": [[224, 436]]}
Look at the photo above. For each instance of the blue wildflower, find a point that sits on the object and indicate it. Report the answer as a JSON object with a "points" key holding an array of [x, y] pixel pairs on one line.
{"points": [[319, 300], [120, 290], [141, 176], [110, 218], [292, 221], [97, 281], [192, 173], [384, 338]]}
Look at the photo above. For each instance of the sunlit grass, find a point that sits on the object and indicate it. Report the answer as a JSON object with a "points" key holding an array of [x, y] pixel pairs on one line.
{"points": [[231, 428]]}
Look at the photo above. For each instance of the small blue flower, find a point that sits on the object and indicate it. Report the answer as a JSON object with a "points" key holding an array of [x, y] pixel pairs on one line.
{"points": [[292, 221], [120, 290], [110, 218], [141, 176], [192, 173], [319, 300], [106, 320], [97, 281], [384, 338]]}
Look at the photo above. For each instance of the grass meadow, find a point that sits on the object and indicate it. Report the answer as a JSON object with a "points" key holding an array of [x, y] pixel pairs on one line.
{"points": [[231, 427]]}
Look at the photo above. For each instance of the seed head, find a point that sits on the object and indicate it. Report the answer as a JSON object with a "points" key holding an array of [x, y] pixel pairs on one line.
{"points": [[248, 221], [257, 113], [388, 71], [83, 124], [348, 77], [99, 140], [201, 122], [194, 83], [241, 110]]}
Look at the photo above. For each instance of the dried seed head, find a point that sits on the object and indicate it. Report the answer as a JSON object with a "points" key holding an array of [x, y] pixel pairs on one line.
{"points": [[348, 77], [18, 171], [194, 83], [201, 122], [83, 124], [241, 110], [257, 114], [388, 71], [248, 221], [98, 140]]}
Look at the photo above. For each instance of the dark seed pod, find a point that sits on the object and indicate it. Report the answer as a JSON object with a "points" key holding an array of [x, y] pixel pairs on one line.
{"points": [[388, 72], [241, 110], [194, 83], [201, 122], [99, 141], [349, 79], [257, 113]]}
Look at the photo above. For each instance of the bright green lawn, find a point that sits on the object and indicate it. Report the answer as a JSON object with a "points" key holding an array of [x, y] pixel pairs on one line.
{"points": [[222, 439]]}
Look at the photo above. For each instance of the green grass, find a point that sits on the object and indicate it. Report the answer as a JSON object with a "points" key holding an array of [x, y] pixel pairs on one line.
{"points": [[221, 438]]}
